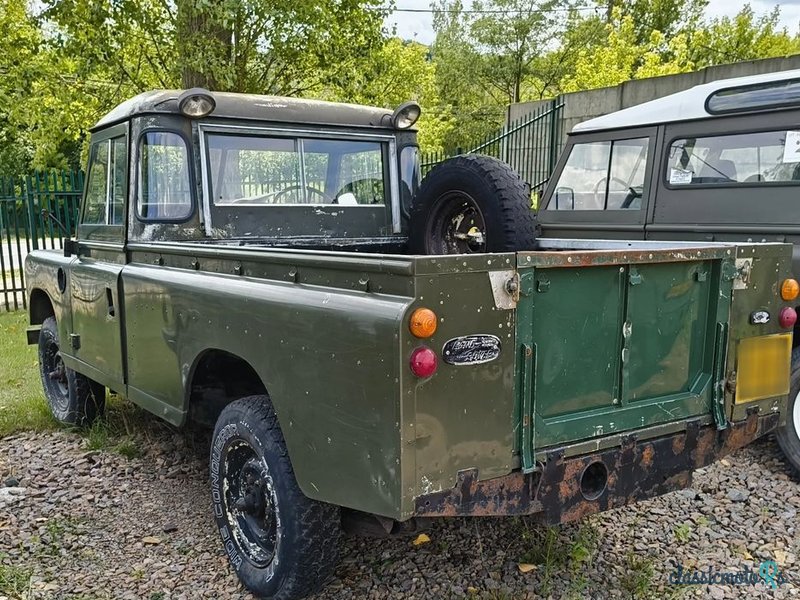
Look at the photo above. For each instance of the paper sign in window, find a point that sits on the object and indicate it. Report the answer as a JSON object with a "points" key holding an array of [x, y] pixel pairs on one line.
{"points": [[680, 177], [791, 147]]}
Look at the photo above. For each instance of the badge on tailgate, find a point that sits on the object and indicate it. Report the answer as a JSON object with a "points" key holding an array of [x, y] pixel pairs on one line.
{"points": [[471, 349]]}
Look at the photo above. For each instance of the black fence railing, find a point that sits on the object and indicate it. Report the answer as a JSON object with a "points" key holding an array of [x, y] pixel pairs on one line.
{"points": [[23, 227], [530, 145]]}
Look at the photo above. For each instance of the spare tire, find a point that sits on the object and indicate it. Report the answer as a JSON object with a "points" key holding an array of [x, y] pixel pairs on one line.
{"points": [[472, 204]]}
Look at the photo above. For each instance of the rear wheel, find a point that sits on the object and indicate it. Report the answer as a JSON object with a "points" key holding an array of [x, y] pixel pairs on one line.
{"points": [[281, 544], [472, 204], [73, 398], [788, 436]]}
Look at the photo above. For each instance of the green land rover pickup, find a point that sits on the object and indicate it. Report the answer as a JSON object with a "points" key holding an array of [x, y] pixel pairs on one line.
{"points": [[717, 162], [374, 351]]}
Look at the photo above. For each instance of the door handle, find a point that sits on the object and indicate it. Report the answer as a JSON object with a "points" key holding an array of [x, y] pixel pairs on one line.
{"points": [[110, 300]]}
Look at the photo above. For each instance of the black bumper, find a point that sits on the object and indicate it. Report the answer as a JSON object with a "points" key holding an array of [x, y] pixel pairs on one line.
{"points": [[562, 490]]}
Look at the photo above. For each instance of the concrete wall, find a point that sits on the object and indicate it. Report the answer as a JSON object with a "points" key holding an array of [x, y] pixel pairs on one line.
{"points": [[581, 106]]}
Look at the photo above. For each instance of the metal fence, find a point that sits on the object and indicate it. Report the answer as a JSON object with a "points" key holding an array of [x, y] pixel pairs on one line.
{"points": [[24, 228], [530, 145]]}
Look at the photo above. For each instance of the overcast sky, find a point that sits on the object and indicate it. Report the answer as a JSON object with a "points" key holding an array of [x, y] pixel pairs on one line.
{"points": [[419, 26]]}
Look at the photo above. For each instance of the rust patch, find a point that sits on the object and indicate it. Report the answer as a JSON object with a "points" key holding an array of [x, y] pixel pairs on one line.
{"points": [[678, 444], [647, 456], [636, 470]]}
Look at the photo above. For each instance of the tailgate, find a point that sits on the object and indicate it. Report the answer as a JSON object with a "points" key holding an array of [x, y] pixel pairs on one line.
{"points": [[615, 340]]}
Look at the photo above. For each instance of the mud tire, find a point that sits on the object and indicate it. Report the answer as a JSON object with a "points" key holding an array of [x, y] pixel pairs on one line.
{"points": [[296, 556], [73, 398]]}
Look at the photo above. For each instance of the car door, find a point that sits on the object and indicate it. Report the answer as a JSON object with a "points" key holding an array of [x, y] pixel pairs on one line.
{"points": [[96, 340], [601, 186]]}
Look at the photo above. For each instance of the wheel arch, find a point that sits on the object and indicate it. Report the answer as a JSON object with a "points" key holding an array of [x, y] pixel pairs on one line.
{"points": [[217, 377], [40, 306]]}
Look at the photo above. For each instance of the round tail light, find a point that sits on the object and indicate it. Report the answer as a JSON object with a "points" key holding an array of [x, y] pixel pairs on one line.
{"points": [[422, 323], [790, 289], [788, 317], [424, 362]]}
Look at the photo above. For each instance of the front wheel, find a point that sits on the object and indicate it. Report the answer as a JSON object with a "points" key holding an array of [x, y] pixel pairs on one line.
{"points": [[281, 544], [73, 398], [788, 436]]}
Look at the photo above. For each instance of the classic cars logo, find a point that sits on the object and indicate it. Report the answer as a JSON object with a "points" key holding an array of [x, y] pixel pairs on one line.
{"points": [[759, 317], [471, 349]]}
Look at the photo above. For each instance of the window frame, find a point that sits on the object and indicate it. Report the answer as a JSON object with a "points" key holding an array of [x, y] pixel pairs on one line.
{"points": [[190, 174], [106, 232], [664, 178], [388, 154], [619, 218]]}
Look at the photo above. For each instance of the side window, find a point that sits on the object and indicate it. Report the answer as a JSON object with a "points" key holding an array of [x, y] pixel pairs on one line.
{"points": [[119, 179], [766, 157], [104, 203], [626, 184], [164, 188], [607, 175], [94, 211]]}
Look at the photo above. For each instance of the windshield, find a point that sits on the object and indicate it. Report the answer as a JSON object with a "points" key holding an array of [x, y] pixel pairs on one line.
{"points": [[273, 170]]}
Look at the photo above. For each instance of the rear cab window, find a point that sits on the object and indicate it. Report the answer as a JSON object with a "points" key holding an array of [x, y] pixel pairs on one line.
{"points": [[263, 183]]}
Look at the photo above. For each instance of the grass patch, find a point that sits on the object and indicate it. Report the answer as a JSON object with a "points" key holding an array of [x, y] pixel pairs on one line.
{"points": [[560, 552], [15, 582], [22, 403], [638, 577]]}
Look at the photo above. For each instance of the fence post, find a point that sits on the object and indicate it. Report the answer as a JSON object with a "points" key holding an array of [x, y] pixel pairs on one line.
{"points": [[30, 212], [551, 163]]}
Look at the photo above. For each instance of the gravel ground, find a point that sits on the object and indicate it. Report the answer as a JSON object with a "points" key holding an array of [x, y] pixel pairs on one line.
{"points": [[86, 525]]}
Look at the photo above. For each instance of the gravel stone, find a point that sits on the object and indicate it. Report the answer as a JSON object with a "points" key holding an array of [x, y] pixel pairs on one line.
{"points": [[79, 523]]}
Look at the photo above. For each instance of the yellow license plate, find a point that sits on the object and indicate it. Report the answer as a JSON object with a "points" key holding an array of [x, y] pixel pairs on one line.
{"points": [[762, 367]]}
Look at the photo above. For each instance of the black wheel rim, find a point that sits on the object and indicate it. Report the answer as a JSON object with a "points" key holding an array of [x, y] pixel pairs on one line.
{"points": [[456, 226], [55, 373], [250, 503]]}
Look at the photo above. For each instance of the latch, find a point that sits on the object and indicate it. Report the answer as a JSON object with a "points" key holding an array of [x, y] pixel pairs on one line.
{"points": [[505, 288], [744, 268]]}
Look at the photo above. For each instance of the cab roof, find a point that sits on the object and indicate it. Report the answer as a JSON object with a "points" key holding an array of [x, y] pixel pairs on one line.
{"points": [[255, 107], [768, 91]]}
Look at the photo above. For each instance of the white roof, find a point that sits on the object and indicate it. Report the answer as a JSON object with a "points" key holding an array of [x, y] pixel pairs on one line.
{"points": [[681, 106]]}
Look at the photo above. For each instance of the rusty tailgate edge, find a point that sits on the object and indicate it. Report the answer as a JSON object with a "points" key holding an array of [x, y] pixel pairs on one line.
{"points": [[636, 470]]}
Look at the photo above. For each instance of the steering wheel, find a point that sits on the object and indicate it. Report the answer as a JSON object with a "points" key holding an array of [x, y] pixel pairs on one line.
{"points": [[294, 188], [598, 199]]}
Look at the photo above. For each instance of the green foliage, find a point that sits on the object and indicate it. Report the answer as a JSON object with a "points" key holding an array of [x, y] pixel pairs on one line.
{"points": [[67, 62]]}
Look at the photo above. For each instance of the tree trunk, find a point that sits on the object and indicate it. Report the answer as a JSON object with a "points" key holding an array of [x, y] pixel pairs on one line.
{"points": [[204, 46]]}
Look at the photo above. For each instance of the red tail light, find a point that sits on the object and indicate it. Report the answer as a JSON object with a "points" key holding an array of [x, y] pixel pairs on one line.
{"points": [[788, 317], [424, 362]]}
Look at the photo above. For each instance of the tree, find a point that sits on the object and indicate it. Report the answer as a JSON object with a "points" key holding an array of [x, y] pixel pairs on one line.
{"points": [[745, 36]]}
